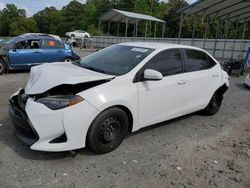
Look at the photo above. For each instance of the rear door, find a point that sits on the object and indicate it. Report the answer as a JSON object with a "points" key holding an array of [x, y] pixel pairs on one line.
{"points": [[26, 53], [203, 78], [163, 99], [53, 50]]}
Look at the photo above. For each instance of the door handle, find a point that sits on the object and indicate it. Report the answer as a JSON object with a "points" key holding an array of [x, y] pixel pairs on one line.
{"points": [[60, 51], [182, 82], [37, 52], [216, 75]]}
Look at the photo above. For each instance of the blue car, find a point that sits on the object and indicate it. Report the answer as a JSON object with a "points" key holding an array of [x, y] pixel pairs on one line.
{"points": [[23, 52]]}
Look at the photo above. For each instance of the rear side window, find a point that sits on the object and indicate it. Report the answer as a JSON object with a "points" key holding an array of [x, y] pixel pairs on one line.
{"points": [[198, 60], [52, 44], [167, 62]]}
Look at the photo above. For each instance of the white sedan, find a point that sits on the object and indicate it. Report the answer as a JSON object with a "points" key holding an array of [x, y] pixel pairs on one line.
{"points": [[96, 101], [78, 34]]}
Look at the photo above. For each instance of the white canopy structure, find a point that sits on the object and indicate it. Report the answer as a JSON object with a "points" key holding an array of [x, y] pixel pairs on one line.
{"points": [[121, 16], [237, 11], [232, 10]]}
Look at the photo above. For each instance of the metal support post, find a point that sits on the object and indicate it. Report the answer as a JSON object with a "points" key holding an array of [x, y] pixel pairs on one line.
{"points": [[100, 22], [205, 35], [243, 44], [180, 28], [126, 32], [235, 36], [109, 26], [163, 30], [136, 29], [216, 36], [118, 28], [155, 29], [193, 32], [225, 37]]}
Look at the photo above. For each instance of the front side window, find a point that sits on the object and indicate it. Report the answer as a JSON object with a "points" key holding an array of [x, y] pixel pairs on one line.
{"points": [[197, 60], [28, 44], [167, 62], [115, 60]]}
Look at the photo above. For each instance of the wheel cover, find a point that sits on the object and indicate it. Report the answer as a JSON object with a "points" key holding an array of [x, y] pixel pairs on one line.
{"points": [[215, 101], [110, 131]]}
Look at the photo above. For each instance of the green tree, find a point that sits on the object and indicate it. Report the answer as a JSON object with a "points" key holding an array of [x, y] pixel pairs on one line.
{"points": [[172, 18], [73, 17], [9, 15], [23, 25], [48, 20]]}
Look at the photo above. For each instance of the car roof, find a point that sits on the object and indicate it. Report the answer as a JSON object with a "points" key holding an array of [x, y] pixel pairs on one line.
{"points": [[39, 37], [158, 45]]}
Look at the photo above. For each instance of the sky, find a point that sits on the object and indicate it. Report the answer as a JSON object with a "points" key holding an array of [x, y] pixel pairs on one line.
{"points": [[33, 6]]}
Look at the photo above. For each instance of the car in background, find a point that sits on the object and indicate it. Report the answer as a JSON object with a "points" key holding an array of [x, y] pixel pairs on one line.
{"points": [[77, 34], [25, 51], [95, 102]]}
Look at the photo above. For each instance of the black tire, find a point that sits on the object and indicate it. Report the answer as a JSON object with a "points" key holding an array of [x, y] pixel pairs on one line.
{"points": [[214, 104], [74, 44], [72, 35], [2, 67], [108, 130]]}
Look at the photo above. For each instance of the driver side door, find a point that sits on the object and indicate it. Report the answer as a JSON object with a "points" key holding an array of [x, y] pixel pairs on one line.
{"points": [[163, 99]]}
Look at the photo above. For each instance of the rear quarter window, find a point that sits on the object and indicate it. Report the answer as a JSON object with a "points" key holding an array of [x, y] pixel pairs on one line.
{"points": [[52, 44], [198, 60]]}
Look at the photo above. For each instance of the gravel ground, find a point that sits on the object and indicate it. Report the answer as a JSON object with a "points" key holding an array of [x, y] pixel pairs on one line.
{"points": [[191, 151]]}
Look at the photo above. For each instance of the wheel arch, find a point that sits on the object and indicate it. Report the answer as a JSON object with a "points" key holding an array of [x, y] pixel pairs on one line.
{"points": [[126, 110], [4, 59], [129, 114], [222, 89]]}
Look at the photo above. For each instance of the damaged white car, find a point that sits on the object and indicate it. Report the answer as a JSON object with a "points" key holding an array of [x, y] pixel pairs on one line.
{"points": [[96, 101]]}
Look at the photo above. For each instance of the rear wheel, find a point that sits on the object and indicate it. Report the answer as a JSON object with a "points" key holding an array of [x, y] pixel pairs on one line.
{"points": [[214, 104], [108, 130], [2, 67]]}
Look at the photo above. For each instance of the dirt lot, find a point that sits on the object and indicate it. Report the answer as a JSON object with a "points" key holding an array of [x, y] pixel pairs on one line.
{"points": [[192, 151]]}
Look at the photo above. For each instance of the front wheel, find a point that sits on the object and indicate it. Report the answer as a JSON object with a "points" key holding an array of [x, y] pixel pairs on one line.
{"points": [[108, 130], [214, 104], [2, 67]]}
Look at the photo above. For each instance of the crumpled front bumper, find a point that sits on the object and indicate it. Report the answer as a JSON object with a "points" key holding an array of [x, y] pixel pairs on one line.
{"points": [[20, 120], [50, 130]]}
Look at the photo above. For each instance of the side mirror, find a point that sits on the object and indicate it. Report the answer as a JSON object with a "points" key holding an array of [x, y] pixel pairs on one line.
{"points": [[150, 74]]}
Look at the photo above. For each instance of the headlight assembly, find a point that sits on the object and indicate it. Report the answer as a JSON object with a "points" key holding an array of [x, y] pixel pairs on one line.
{"points": [[60, 101]]}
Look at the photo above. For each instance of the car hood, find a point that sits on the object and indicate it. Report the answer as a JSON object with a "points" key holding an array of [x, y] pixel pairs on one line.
{"points": [[47, 76]]}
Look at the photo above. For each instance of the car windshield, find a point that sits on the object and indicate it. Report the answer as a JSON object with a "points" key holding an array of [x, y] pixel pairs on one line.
{"points": [[7, 41], [115, 60]]}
